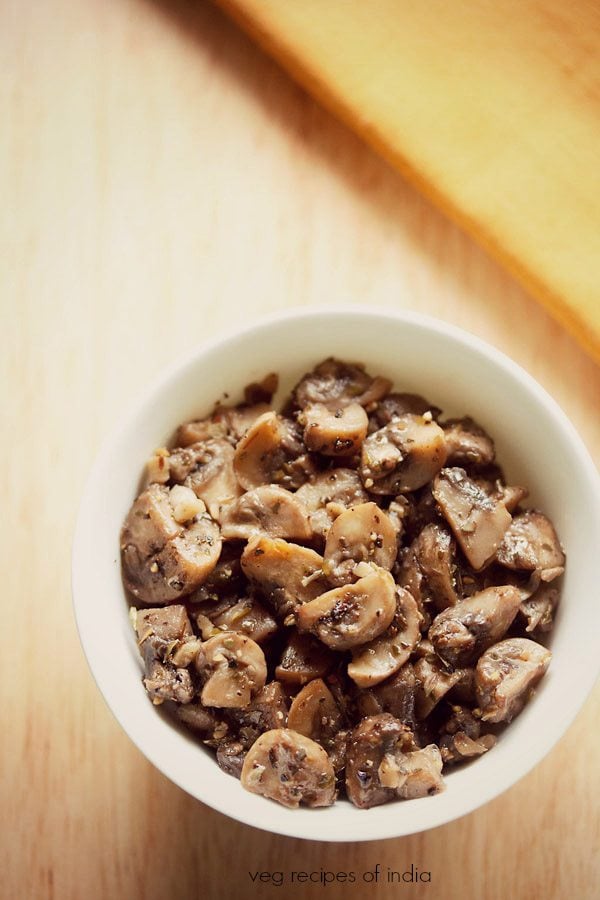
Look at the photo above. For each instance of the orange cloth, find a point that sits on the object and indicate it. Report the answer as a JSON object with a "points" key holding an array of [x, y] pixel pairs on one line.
{"points": [[491, 107]]}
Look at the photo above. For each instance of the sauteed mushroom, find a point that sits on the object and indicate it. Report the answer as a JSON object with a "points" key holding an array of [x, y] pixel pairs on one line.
{"points": [[478, 521], [403, 455], [327, 494], [505, 676], [164, 559], [382, 657], [268, 509], [362, 533], [353, 614], [234, 670], [290, 768], [271, 452], [334, 430], [287, 574], [462, 632]]}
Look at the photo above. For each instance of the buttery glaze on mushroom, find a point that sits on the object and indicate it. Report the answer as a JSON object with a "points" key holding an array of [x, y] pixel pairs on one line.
{"points": [[353, 614], [462, 632], [363, 533], [163, 559], [505, 676], [289, 768], [478, 521], [345, 594], [233, 668], [403, 455]]}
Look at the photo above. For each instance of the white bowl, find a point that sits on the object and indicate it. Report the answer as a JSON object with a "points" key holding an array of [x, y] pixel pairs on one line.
{"points": [[537, 446]]}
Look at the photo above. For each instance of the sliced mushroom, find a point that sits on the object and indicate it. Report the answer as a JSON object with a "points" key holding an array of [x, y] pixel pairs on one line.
{"points": [[477, 521], [162, 633], [403, 455], [334, 430], [198, 431], [433, 682], [315, 713], [341, 383], [509, 494], [267, 509], [462, 632], [362, 533], [397, 404], [384, 656], [271, 452], [289, 768], [353, 614], [269, 709], [327, 494], [531, 543], [225, 579], [429, 567], [246, 616], [468, 444], [506, 675], [234, 670], [305, 658], [456, 748], [230, 757], [369, 742], [206, 468], [287, 574], [538, 609], [205, 723], [164, 560], [414, 774], [395, 695]]}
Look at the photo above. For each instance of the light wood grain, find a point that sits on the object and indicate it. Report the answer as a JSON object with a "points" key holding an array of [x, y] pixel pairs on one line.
{"points": [[162, 181], [491, 108]]}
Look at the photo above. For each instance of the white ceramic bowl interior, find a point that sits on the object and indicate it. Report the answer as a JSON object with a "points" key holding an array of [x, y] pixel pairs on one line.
{"points": [[537, 446]]}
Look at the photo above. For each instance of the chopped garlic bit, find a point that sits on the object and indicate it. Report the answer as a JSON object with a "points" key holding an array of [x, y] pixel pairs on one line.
{"points": [[185, 504]]}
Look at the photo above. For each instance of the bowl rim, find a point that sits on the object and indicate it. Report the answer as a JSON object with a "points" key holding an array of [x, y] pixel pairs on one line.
{"points": [[175, 370]]}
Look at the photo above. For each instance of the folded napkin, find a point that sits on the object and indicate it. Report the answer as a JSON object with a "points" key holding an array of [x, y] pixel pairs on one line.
{"points": [[491, 107]]}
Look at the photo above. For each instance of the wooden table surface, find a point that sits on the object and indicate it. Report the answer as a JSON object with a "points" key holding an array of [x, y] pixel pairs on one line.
{"points": [[162, 181]]}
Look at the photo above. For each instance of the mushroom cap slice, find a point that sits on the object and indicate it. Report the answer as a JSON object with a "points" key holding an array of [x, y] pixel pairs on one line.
{"points": [[467, 443], [433, 682], [399, 404], [246, 616], [531, 543], [412, 775], [206, 468], [234, 668], [315, 713], [268, 509], [505, 676], [402, 456], [334, 430], [328, 493], [353, 614], [339, 382], [477, 520], [289, 768], [305, 658], [163, 559], [369, 742], [395, 695], [363, 533], [433, 552], [538, 609], [462, 632], [287, 574], [270, 452], [383, 657]]}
